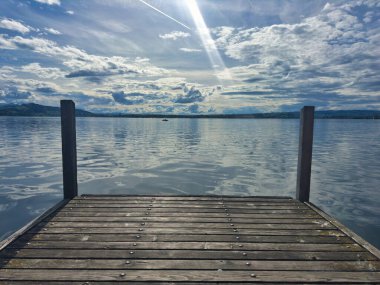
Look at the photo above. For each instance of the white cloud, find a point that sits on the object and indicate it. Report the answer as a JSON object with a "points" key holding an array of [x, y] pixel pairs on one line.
{"points": [[34, 69], [190, 95], [167, 94], [49, 2], [12, 94], [223, 32], [70, 12], [190, 50], [6, 73], [40, 45], [6, 43], [42, 72], [307, 41], [94, 65], [175, 35], [14, 25], [80, 63], [53, 31], [320, 58]]}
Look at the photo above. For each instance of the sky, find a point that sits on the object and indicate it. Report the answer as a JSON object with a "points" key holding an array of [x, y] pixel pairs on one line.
{"points": [[191, 56]]}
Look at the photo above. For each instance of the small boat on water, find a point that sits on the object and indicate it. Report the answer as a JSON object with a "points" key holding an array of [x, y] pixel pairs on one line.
{"points": [[165, 120]]}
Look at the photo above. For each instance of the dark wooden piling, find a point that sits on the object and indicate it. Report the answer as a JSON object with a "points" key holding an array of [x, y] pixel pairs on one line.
{"points": [[69, 149], [305, 153]]}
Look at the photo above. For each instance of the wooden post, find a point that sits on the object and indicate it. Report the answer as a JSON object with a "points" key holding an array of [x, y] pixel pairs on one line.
{"points": [[69, 149], [305, 151]]}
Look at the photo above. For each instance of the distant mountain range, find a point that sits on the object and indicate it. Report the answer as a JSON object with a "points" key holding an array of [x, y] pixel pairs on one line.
{"points": [[36, 110]]}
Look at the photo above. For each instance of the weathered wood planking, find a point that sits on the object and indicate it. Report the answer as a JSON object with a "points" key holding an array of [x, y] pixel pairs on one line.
{"points": [[241, 232], [179, 220], [186, 254], [187, 245], [158, 283], [192, 240], [184, 238], [182, 198], [189, 275], [150, 264], [199, 225]]}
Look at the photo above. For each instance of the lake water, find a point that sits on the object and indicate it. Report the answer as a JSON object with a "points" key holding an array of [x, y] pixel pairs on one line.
{"points": [[192, 156]]}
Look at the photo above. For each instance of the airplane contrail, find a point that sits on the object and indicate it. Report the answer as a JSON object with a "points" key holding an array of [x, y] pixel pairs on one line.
{"points": [[166, 15]]}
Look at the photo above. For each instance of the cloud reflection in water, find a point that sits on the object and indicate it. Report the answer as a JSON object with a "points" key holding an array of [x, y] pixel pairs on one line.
{"points": [[190, 156]]}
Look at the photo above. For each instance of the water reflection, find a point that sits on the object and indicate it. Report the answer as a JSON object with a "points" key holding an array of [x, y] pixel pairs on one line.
{"points": [[30, 169], [190, 156], [188, 133], [345, 177]]}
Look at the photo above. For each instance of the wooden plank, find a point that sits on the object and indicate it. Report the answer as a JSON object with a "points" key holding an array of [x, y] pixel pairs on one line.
{"points": [[184, 238], [187, 245], [186, 197], [179, 208], [190, 203], [185, 204], [148, 264], [153, 225], [186, 211], [101, 214], [185, 254], [20, 282], [180, 220], [186, 275], [185, 231]]}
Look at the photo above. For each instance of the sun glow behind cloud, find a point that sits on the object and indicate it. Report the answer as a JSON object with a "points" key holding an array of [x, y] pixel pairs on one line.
{"points": [[220, 69]]}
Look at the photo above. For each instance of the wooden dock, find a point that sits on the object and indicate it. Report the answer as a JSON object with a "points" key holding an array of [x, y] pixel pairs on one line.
{"points": [[194, 240], [186, 239]]}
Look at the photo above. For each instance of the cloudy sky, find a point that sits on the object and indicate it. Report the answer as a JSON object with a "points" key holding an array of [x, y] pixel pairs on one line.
{"points": [[204, 56]]}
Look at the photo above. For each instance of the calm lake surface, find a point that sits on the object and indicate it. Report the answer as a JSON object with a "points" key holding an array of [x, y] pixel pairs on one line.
{"points": [[192, 156]]}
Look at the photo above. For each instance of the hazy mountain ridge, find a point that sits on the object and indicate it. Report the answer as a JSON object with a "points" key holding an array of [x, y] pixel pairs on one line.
{"points": [[37, 110]]}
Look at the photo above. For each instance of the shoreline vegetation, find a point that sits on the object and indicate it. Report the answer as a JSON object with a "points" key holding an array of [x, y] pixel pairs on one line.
{"points": [[36, 110]]}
